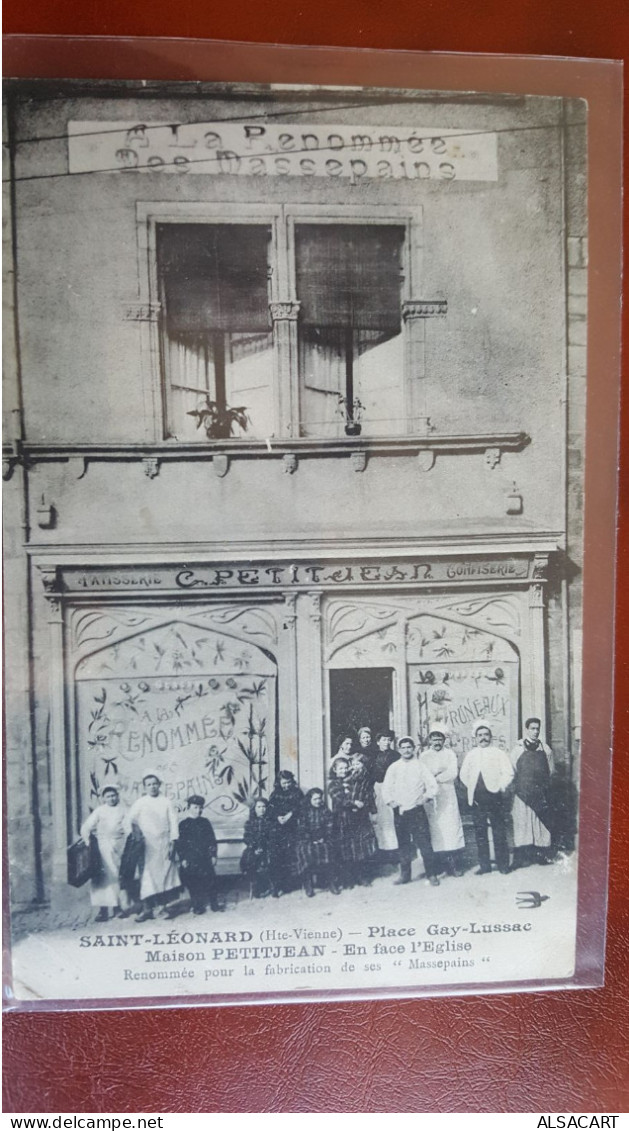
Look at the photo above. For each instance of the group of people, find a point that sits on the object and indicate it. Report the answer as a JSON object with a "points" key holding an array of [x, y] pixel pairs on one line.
{"points": [[384, 803], [147, 855]]}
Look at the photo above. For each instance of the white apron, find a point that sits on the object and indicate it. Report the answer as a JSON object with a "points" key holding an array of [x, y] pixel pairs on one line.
{"points": [[444, 817], [157, 821], [110, 826], [383, 823]]}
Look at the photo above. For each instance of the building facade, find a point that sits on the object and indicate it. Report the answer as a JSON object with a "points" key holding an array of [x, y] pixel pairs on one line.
{"points": [[294, 436]]}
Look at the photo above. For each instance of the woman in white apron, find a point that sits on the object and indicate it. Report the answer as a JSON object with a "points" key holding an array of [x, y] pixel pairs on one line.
{"points": [[110, 825]]}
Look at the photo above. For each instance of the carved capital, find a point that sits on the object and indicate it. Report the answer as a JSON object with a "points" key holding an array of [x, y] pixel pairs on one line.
{"points": [[284, 311], [536, 596], [423, 308], [314, 607], [55, 610], [142, 311], [290, 614]]}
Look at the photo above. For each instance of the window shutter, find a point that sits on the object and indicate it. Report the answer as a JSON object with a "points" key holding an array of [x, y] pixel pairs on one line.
{"points": [[349, 275], [214, 277]]}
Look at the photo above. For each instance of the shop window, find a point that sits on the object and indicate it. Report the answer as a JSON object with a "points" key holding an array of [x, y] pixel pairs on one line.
{"points": [[217, 343], [349, 286]]}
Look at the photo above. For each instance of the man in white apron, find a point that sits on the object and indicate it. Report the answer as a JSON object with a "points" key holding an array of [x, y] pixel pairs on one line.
{"points": [[444, 818], [153, 817]]}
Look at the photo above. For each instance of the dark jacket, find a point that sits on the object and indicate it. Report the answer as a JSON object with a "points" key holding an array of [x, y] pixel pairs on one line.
{"points": [[196, 846]]}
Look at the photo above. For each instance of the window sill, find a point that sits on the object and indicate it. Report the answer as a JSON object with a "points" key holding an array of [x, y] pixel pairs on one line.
{"points": [[358, 449]]}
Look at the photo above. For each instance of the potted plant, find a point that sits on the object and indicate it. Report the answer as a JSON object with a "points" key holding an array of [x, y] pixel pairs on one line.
{"points": [[352, 409], [218, 420]]}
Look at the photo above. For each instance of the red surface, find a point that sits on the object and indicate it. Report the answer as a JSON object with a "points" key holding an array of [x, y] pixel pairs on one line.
{"points": [[528, 1052]]}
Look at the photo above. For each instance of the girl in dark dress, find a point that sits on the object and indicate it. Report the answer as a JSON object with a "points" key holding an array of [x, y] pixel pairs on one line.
{"points": [[315, 848], [355, 843], [283, 816], [255, 861], [197, 850]]}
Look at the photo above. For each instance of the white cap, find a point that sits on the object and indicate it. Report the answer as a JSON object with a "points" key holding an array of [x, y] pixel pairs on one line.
{"points": [[483, 723], [439, 728]]}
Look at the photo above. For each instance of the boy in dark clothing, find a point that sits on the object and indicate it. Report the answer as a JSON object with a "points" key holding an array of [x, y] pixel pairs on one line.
{"points": [[197, 849]]}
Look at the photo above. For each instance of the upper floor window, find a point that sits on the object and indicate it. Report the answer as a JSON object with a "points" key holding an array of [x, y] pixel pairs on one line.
{"points": [[349, 286], [217, 337], [278, 322]]}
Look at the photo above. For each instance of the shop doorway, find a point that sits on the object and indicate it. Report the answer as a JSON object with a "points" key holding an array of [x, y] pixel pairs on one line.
{"points": [[360, 697]]}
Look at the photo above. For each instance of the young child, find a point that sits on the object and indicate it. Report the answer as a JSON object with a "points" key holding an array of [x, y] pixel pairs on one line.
{"points": [[355, 842], [315, 854], [197, 849], [255, 861]]}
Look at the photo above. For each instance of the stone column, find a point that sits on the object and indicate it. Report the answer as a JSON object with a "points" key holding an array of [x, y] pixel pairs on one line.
{"points": [[537, 657], [146, 316], [312, 754], [289, 688], [286, 348], [61, 786], [414, 314]]}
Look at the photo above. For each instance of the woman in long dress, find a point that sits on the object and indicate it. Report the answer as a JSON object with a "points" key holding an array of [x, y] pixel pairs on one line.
{"points": [[282, 814], [109, 823], [355, 845], [444, 817]]}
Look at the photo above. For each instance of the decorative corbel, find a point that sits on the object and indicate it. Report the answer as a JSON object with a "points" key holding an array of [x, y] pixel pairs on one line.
{"points": [[290, 462], [492, 457], [425, 459], [151, 466], [515, 502], [220, 463], [9, 464], [78, 464], [358, 460], [46, 514], [540, 567], [50, 579]]}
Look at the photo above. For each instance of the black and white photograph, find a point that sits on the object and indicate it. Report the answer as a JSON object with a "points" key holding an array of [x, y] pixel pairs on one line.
{"points": [[294, 410]]}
